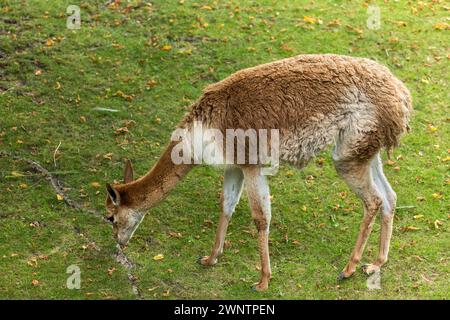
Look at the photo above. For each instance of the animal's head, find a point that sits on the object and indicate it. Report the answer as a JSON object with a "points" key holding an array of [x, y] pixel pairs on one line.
{"points": [[124, 217]]}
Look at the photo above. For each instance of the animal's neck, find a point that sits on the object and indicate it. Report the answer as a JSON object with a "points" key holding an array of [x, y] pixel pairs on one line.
{"points": [[148, 190]]}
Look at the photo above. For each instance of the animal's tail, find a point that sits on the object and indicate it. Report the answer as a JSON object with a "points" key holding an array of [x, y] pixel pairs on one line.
{"points": [[400, 124]]}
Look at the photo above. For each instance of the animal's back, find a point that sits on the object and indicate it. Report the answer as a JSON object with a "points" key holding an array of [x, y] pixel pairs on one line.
{"points": [[311, 99]]}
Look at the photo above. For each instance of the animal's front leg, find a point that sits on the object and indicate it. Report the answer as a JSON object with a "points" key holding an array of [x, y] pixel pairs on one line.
{"points": [[259, 199], [232, 189]]}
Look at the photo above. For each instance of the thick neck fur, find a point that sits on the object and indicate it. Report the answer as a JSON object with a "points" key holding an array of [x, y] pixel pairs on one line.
{"points": [[148, 190]]}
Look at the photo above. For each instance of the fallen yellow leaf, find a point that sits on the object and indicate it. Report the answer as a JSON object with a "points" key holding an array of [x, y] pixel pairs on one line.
{"points": [[166, 47], [158, 257], [390, 162], [335, 22], [127, 97], [59, 197], [122, 130], [16, 174], [400, 23], [437, 196], [175, 234], [432, 128], [438, 223], [32, 262], [95, 184], [108, 156], [309, 19], [151, 83], [441, 26], [393, 40], [117, 46], [286, 47], [111, 271], [410, 228]]}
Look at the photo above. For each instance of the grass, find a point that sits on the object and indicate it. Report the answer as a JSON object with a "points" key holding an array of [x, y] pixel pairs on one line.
{"points": [[149, 61]]}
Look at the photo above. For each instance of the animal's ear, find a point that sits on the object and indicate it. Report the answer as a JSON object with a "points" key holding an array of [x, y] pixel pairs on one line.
{"points": [[113, 194], [128, 172]]}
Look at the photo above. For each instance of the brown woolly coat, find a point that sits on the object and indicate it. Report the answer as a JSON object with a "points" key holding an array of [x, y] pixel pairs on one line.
{"points": [[313, 100]]}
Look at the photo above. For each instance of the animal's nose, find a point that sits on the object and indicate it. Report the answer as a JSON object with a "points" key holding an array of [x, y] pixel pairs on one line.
{"points": [[110, 219]]}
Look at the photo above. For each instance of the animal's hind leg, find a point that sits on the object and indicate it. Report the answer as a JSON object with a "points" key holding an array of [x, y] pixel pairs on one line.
{"points": [[358, 176], [387, 214], [232, 189], [259, 200]]}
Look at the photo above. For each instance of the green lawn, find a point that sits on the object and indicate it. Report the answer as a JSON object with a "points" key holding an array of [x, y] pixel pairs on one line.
{"points": [[150, 61]]}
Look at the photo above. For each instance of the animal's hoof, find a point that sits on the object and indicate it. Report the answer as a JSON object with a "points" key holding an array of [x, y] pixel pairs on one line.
{"points": [[341, 276], [345, 275], [259, 287], [370, 268], [206, 261]]}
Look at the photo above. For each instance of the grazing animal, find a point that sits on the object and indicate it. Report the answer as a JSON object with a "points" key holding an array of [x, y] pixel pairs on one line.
{"points": [[314, 101]]}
